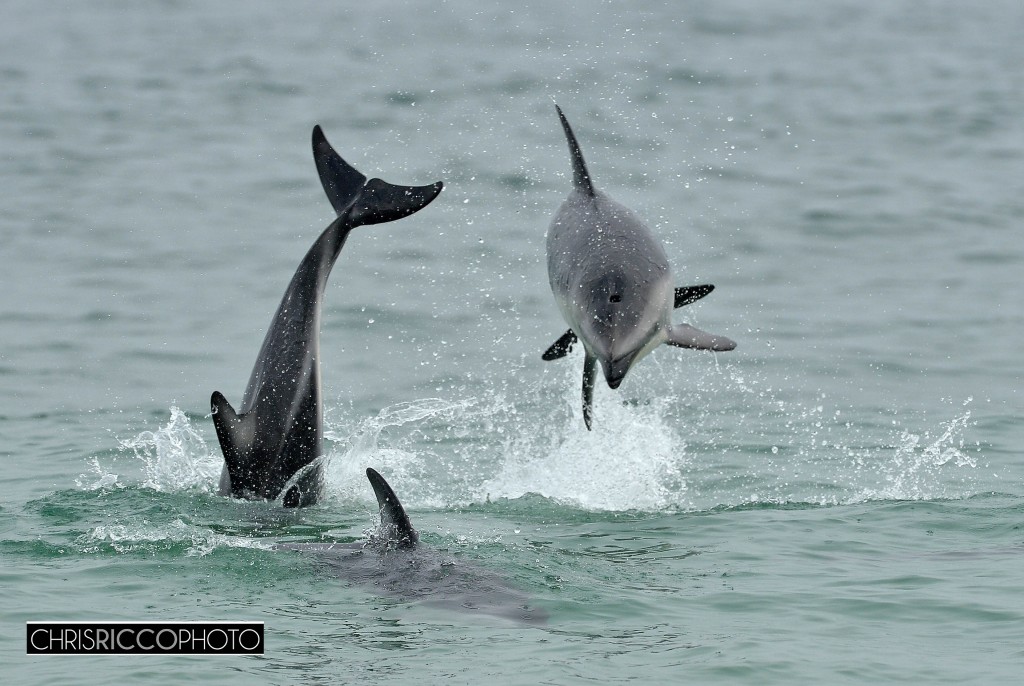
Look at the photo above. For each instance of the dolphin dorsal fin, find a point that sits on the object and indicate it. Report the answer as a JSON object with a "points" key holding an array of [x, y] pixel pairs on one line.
{"points": [[394, 521], [235, 433], [580, 175], [366, 202]]}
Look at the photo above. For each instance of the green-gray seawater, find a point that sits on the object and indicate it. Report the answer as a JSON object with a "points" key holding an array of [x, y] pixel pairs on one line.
{"points": [[839, 500]]}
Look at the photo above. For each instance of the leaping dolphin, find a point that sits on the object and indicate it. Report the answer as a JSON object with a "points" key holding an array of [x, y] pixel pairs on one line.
{"points": [[394, 563], [613, 284], [271, 445]]}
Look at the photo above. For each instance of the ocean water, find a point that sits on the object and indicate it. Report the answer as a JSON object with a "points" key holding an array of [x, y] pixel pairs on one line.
{"points": [[840, 500]]}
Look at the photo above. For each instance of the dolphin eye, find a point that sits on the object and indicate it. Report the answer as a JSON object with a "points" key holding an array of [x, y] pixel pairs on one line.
{"points": [[615, 298]]}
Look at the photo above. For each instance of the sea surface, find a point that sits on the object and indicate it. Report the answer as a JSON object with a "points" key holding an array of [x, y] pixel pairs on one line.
{"points": [[839, 500]]}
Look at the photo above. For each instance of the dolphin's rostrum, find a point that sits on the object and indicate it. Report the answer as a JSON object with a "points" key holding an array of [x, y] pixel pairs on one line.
{"points": [[613, 284], [271, 446]]}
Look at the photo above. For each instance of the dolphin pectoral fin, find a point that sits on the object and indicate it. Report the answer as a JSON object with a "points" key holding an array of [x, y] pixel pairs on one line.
{"points": [[690, 294], [367, 202], [381, 201], [686, 336], [235, 434], [394, 520], [561, 347], [589, 375]]}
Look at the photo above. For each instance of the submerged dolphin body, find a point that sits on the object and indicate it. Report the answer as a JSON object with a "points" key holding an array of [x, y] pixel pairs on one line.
{"points": [[270, 445], [613, 285], [394, 563]]}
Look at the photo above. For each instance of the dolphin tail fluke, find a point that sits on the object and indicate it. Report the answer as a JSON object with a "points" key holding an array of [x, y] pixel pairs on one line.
{"points": [[686, 295], [381, 201], [686, 336], [366, 202], [394, 520], [580, 175], [235, 434], [589, 376], [341, 181], [561, 347]]}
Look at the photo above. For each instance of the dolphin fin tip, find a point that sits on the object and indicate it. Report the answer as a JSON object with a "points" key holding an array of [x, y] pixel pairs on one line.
{"points": [[221, 409]]}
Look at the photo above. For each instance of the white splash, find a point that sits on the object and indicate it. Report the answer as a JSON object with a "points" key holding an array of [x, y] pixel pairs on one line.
{"points": [[345, 471], [920, 466], [174, 457], [98, 478], [201, 541], [443, 453], [632, 460]]}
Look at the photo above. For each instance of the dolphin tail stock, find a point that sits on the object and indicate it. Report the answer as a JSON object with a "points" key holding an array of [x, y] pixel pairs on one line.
{"points": [[686, 295], [365, 202], [686, 336], [561, 347], [394, 520], [235, 433], [580, 175]]}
